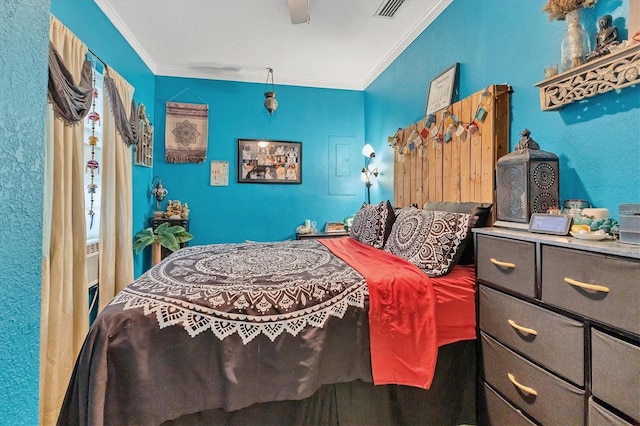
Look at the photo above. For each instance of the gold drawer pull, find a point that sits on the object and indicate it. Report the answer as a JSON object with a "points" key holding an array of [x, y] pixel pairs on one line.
{"points": [[593, 287], [513, 324], [503, 264], [523, 388]]}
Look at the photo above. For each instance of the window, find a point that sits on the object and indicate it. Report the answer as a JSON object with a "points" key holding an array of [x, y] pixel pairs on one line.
{"points": [[94, 153]]}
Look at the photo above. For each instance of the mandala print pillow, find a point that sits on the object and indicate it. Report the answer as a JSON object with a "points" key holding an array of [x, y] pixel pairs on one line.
{"points": [[372, 224], [429, 239]]}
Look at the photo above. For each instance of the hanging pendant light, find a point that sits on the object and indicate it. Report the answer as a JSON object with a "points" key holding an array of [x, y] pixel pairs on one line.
{"points": [[270, 102]]}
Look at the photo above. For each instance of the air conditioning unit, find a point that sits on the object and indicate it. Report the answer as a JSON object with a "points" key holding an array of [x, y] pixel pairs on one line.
{"points": [[93, 254]]}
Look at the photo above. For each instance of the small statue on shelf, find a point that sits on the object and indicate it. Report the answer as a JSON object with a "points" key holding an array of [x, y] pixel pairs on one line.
{"points": [[606, 38]]}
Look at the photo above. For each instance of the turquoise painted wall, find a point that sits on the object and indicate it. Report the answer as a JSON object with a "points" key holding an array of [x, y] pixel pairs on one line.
{"points": [[319, 118], [24, 33], [506, 41], [87, 21], [495, 41]]}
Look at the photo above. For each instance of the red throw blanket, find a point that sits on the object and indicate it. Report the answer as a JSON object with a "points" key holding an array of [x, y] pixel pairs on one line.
{"points": [[402, 317]]}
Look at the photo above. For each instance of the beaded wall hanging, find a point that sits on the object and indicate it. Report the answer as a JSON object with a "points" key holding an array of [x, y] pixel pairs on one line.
{"points": [[93, 118]]}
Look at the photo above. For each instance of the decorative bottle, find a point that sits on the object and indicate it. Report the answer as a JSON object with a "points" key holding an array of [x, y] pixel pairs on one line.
{"points": [[575, 44]]}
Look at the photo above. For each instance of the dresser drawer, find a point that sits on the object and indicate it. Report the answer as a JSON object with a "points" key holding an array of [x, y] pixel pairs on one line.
{"points": [[615, 373], [507, 263], [614, 296], [552, 340], [556, 402], [600, 416], [495, 410]]}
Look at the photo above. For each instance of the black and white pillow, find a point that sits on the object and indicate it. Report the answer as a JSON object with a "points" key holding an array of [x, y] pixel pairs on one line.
{"points": [[372, 224], [481, 212], [429, 239]]}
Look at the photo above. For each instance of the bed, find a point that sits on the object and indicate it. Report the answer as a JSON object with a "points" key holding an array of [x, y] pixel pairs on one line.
{"points": [[373, 328]]}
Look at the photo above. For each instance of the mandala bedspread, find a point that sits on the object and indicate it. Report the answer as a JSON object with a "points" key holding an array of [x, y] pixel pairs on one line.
{"points": [[248, 289], [223, 327]]}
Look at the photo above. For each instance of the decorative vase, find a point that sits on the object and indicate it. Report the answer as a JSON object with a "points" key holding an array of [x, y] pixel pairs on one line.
{"points": [[575, 44], [156, 254]]}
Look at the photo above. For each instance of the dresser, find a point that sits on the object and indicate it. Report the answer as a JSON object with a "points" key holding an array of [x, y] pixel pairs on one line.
{"points": [[559, 329]]}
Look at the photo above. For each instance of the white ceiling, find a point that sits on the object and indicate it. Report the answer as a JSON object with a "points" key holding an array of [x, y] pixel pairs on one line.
{"points": [[343, 45]]}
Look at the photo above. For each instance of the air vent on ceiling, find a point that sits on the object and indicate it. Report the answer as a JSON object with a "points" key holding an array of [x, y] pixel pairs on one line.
{"points": [[388, 8]]}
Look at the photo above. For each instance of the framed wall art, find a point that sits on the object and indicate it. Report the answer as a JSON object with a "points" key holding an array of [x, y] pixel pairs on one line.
{"points": [[269, 161], [219, 175], [442, 90]]}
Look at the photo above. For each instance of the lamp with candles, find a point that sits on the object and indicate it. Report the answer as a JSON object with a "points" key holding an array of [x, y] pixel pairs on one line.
{"points": [[367, 172]]}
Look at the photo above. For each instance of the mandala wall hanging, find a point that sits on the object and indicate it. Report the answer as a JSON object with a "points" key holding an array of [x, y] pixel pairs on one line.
{"points": [[186, 132]]}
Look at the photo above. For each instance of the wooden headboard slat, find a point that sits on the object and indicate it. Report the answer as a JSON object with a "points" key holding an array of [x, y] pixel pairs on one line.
{"points": [[462, 169]]}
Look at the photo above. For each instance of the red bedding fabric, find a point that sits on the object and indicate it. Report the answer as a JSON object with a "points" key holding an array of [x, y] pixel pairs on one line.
{"points": [[402, 314], [456, 304]]}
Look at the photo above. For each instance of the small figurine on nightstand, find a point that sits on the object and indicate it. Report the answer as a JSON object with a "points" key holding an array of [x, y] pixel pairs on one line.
{"points": [[176, 210], [184, 212], [606, 38]]}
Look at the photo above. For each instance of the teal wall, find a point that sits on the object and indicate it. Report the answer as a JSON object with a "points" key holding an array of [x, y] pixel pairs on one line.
{"points": [[263, 212], [24, 33], [495, 42], [506, 41]]}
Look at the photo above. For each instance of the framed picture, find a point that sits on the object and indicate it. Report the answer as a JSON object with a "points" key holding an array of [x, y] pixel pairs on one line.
{"points": [[442, 90], [269, 161], [219, 173]]}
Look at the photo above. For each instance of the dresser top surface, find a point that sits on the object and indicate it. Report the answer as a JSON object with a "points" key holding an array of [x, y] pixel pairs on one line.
{"points": [[611, 247]]}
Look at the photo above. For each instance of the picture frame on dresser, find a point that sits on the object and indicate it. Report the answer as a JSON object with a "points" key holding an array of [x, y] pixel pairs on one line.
{"points": [[269, 161]]}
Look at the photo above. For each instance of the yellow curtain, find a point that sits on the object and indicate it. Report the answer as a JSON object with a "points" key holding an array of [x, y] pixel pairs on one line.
{"points": [[116, 228], [64, 319]]}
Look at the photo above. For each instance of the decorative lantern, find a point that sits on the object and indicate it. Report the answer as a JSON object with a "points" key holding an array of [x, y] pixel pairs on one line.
{"points": [[158, 191], [527, 181], [270, 102]]}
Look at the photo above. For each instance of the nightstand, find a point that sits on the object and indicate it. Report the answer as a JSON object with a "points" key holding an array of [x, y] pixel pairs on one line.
{"points": [[320, 234]]}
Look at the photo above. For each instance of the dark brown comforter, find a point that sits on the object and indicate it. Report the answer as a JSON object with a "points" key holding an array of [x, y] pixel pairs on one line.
{"points": [[223, 326]]}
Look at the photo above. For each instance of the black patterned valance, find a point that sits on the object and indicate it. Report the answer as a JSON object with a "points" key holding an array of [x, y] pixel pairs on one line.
{"points": [[126, 127], [70, 102]]}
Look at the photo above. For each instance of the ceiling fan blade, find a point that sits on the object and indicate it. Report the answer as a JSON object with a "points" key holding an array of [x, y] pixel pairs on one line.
{"points": [[299, 11]]}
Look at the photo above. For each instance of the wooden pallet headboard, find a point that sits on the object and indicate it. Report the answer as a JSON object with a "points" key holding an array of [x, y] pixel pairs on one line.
{"points": [[462, 169]]}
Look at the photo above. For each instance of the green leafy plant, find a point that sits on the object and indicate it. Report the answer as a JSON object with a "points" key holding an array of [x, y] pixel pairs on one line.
{"points": [[167, 236]]}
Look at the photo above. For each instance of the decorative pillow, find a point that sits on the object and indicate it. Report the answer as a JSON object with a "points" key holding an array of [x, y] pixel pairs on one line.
{"points": [[372, 224], [482, 211], [429, 239]]}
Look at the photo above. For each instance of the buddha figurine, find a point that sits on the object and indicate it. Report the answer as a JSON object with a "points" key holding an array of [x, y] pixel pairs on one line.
{"points": [[606, 38]]}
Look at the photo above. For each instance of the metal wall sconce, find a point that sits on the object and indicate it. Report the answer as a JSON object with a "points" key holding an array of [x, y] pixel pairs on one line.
{"points": [[367, 172], [157, 190], [270, 102]]}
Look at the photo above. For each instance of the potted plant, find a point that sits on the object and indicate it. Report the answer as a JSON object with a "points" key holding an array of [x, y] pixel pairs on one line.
{"points": [[164, 235]]}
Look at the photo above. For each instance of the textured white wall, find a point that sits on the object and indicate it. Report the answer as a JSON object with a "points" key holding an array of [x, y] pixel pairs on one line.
{"points": [[24, 33]]}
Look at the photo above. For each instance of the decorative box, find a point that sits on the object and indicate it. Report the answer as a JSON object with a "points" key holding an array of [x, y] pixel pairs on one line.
{"points": [[629, 223]]}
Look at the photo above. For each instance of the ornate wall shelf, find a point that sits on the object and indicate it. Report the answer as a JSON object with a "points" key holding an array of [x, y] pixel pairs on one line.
{"points": [[619, 69]]}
